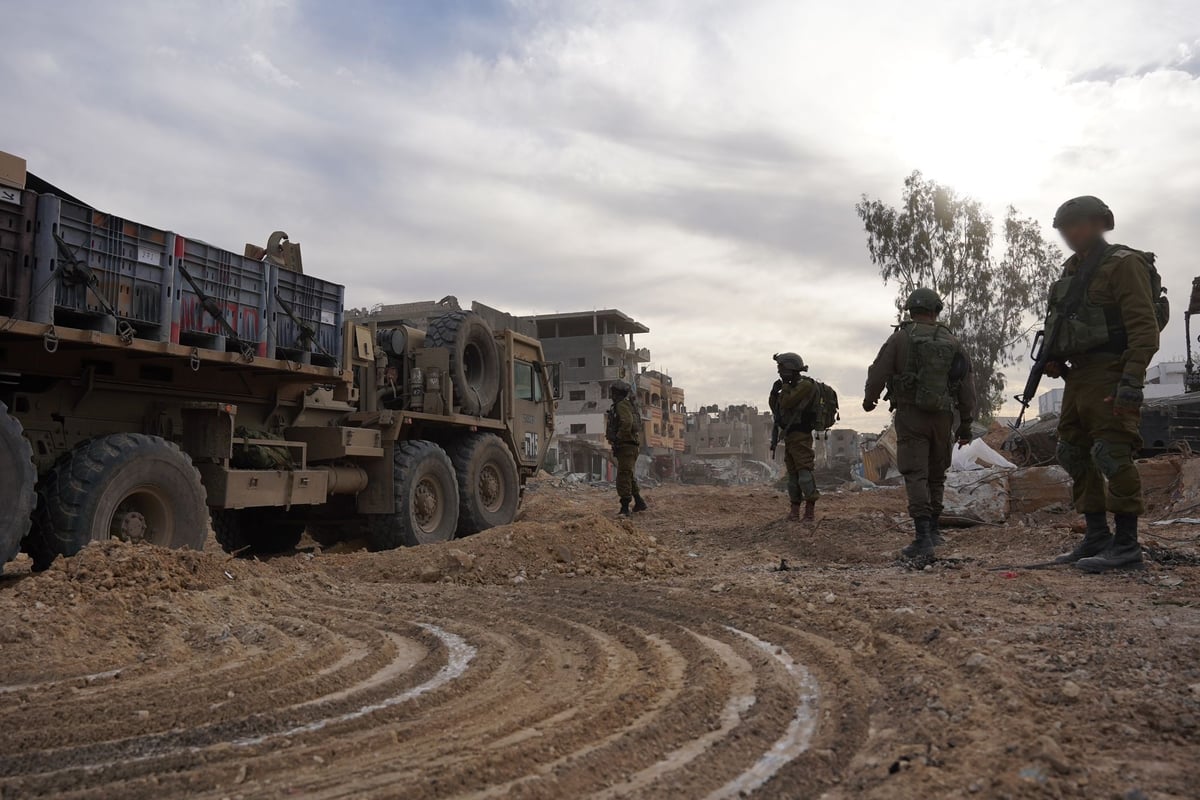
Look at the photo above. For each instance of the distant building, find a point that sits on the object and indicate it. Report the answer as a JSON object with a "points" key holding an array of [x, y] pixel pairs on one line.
{"points": [[1164, 379], [596, 348]]}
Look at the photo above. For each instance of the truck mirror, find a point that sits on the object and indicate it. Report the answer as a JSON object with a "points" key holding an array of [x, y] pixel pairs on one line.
{"points": [[553, 372]]}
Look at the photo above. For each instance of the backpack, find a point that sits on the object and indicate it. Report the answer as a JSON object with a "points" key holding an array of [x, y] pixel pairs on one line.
{"points": [[1158, 292], [821, 411], [931, 358]]}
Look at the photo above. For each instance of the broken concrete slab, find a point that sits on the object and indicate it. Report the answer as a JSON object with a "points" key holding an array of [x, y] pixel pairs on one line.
{"points": [[980, 494]]}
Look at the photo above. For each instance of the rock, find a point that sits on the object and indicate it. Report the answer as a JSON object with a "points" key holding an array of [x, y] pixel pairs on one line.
{"points": [[717, 588], [563, 554], [1070, 690], [975, 661], [1194, 688], [429, 574], [830, 597], [1050, 752], [460, 558], [516, 580]]}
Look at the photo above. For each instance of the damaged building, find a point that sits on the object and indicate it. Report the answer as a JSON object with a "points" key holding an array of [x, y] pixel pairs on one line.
{"points": [[596, 348]]}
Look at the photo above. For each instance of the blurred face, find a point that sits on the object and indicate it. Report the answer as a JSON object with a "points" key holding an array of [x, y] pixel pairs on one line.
{"points": [[923, 316], [1082, 234], [788, 375]]}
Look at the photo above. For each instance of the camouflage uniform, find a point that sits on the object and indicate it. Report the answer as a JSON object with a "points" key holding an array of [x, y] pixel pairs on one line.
{"points": [[625, 439], [924, 439], [1097, 447], [798, 440]]}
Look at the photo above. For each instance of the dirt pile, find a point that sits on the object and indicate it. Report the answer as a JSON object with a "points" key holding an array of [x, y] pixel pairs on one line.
{"points": [[592, 546]]}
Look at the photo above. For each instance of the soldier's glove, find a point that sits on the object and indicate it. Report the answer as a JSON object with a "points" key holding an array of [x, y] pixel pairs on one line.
{"points": [[869, 405], [964, 434], [776, 388], [1127, 399]]}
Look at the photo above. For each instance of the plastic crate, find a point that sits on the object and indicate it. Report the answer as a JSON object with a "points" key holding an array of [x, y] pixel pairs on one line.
{"points": [[240, 286], [131, 266], [18, 210], [318, 305]]}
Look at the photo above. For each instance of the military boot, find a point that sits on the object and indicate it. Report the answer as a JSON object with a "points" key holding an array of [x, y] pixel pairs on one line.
{"points": [[794, 514], [624, 512], [922, 545], [639, 504], [1096, 539], [810, 509], [1123, 552], [938, 539]]}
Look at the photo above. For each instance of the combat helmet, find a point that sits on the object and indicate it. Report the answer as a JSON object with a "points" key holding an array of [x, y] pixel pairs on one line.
{"points": [[791, 361], [1081, 208], [923, 299], [620, 387]]}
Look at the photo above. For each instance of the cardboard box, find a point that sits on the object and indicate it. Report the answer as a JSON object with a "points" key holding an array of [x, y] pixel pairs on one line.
{"points": [[12, 171]]}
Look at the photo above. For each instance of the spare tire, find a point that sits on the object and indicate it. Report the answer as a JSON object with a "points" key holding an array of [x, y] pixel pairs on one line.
{"points": [[18, 481], [474, 359]]}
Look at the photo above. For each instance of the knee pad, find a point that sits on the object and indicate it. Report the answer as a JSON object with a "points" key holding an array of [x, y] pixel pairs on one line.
{"points": [[806, 482], [1110, 458], [1074, 459]]}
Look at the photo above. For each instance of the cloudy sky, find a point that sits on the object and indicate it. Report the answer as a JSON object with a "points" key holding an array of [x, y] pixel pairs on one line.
{"points": [[693, 163]]}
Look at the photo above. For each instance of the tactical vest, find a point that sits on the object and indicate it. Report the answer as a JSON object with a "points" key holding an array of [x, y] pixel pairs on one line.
{"points": [[926, 380], [1095, 328], [612, 430]]}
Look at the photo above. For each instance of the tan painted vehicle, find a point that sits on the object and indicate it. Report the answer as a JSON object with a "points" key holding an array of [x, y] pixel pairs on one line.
{"points": [[267, 410]]}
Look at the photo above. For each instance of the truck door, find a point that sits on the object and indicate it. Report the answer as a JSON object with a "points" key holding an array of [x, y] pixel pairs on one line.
{"points": [[529, 412]]}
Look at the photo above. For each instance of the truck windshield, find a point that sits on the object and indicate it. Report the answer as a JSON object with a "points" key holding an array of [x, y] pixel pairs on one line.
{"points": [[525, 382]]}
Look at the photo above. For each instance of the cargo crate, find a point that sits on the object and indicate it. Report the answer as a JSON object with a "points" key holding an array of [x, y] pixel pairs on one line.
{"points": [[317, 304], [240, 287], [18, 210], [103, 266]]}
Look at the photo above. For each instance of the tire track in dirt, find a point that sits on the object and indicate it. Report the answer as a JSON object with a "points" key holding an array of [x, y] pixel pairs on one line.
{"points": [[544, 692]]}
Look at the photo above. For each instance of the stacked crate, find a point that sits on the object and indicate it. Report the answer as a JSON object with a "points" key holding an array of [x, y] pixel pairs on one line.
{"points": [[306, 318], [238, 285], [98, 263], [18, 208]]}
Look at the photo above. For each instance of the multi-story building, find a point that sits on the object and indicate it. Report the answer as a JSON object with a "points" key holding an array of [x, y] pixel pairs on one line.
{"points": [[594, 348], [663, 419]]}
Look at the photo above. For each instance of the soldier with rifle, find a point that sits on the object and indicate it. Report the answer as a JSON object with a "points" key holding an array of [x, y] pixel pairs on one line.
{"points": [[1101, 331], [623, 429], [791, 396]]}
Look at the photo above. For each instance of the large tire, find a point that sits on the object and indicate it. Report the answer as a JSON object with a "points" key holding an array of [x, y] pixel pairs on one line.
{"points": [[18, 485], [128, 486], [426, 499], [474, 359], [489, 487], [256, 531]]}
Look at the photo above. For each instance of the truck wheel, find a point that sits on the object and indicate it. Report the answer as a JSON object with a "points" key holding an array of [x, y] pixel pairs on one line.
{"points": [[488, 485], [474, 359], [126, 486], [426, 499], [255, 531], [18, 482]]}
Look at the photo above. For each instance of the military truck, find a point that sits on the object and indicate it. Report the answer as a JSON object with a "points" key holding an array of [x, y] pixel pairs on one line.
{"points": [[150, 383]]}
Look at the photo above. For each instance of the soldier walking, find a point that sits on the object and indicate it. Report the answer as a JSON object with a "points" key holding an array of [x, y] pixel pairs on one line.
{"points": [[624, 434], [791, 396], [927, 376], [1108, 295]]}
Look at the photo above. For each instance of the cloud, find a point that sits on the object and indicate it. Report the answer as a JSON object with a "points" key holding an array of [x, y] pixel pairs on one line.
{"points": [[695, 164]]}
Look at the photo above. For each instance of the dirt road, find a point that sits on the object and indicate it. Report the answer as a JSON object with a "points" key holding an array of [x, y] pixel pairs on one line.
{"points": [[569, 655]]}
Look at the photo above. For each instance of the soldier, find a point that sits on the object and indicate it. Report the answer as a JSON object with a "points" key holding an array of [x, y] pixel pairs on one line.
{"points": [[624, 433], [1102, 352], [927, 375], [791, 396]]}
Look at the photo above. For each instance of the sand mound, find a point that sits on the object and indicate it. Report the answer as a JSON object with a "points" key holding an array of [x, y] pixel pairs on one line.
{"points": [[589, 546]]}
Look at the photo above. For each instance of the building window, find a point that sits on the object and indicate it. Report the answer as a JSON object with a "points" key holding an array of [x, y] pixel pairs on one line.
{"points": [[578, 429], [581, 362], [656, 430], [578, 395]]}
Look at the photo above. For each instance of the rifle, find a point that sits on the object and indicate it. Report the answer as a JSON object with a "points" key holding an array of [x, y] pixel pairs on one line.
{"points": [[1044, 345]]}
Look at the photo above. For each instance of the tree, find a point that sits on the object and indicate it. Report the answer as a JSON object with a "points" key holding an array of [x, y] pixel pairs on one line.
{"points": [[943, 241]]}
